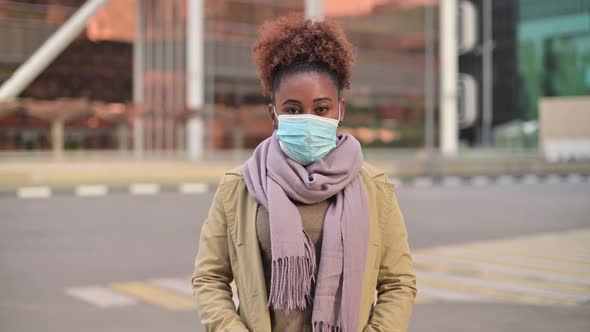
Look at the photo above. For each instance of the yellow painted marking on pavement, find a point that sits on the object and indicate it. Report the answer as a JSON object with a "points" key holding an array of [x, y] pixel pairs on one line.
{"points": [[460, 271], [501, 263], [493, 293], [155, 295], [423, 298], [526, 254]]}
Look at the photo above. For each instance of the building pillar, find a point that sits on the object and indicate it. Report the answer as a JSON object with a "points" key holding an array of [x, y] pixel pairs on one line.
{"points": [[449, 134], [314, 9], [195, 79]]}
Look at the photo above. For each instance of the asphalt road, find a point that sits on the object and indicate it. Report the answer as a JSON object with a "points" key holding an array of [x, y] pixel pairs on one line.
{"points": [[490, 258]]}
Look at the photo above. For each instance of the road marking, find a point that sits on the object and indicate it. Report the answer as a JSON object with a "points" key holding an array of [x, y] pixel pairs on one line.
{"points": [[100, 296], [178, 285], [491, 261], [486, 267], [422, 182], [486, 271], [530, 179], [193, 188], [452, 181], [144, 189], [433, 293], [512, 251], [505, 179], [91, 190], [553, 179], [155, 295], [491, 293], [396, 181], [34, 192], [574, 178], [423, 298], [497, 270], [495, 276], [546, 265], [524, 289], [479, 180]]}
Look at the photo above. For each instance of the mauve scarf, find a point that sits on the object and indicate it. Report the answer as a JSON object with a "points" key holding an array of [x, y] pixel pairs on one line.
{"points": [[273, 180]]}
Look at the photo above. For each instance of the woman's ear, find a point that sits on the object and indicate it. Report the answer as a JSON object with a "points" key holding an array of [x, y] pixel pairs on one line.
{"points": [[272, 115]]}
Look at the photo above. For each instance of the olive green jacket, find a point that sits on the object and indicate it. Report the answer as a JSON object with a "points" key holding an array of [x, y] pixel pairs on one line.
{"points": [[228, 250]]}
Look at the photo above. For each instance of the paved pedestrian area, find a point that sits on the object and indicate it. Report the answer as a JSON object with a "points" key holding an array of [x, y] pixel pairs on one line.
{"points": [[539, 269]]}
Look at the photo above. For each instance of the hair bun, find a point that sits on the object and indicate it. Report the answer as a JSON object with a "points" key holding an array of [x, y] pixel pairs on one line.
{"points": [[292, 39]]}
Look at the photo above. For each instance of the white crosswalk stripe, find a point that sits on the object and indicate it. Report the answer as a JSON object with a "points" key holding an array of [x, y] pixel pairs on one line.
{"points": [[100, 296], [178, 285], [509, 270], [514, 270]]}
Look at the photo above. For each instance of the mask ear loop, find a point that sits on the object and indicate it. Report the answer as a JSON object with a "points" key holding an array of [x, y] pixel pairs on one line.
{"points": [[275, 124], [339, 121]]}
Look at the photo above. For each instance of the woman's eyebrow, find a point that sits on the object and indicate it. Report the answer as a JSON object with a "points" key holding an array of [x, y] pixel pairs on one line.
{"points": [[291, 101], [322, 99]]}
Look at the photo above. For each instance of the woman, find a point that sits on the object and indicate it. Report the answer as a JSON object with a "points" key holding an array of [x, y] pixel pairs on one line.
{"points": [[311, 235]]}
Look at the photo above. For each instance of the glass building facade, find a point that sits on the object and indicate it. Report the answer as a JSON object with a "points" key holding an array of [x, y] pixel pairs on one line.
{"points": [[553, 51], [385, 103]]}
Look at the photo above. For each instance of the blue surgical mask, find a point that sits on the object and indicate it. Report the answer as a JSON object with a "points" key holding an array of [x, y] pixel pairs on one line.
{"points": [[306, 138]]}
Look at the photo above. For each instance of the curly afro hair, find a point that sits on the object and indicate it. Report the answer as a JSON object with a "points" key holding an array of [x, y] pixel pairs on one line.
{"points": [[292, 44]]}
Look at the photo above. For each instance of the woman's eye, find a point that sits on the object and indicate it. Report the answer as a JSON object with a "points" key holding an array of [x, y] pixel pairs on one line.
{"points": [[322, 109], [292, 110]]}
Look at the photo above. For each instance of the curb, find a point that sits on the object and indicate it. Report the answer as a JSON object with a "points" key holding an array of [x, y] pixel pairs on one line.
{"points": [[197, 188], [97, 190], [485, 180]]}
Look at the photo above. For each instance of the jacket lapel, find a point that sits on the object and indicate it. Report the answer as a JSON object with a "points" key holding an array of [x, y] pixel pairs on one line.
{"points": [[250, 260]]}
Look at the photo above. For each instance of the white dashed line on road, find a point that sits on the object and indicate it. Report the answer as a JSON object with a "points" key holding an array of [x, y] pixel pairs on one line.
{"points": [[144, 189], [451, 181], [101, 296], [34, 192], [193, 188], [553, 179], [92, 190], [574, 178], [423, 182], [505, 179], [480, 180], [530, 179], [397, 182], [178, 285]]}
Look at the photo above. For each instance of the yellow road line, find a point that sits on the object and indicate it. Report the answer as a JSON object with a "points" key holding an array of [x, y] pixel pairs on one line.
{"points": [[492, 293], [501, 263], [525, 254], [443, 268], [154, 295], [423, 299]]}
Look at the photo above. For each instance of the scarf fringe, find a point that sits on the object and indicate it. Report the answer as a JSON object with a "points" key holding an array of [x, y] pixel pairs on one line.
{"points": [[292, 279], [325, 327]]}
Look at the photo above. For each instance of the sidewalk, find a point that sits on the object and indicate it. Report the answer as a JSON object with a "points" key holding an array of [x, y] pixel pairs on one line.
{"points": [[107, 170]]}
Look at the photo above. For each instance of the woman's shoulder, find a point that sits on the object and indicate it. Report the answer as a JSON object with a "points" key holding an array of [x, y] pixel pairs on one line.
{"points": [[233, 175], [375, 177]]}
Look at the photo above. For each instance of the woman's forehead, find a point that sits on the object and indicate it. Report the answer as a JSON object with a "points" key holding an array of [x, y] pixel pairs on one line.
{"points": [[306, 85]]}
